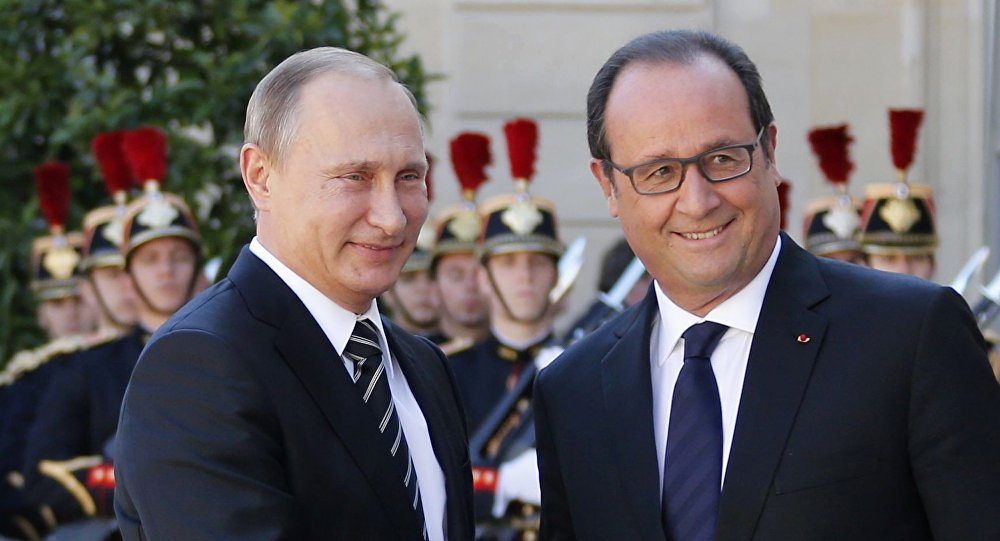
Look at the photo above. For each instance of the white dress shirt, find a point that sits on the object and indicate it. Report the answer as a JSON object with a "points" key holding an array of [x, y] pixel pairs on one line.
{"points": [[729, 360], [338, 323]]}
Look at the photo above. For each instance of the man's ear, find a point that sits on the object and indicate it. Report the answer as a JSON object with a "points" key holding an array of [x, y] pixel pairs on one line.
{"points": [[607, 185], [772, 141], [256, 170]]}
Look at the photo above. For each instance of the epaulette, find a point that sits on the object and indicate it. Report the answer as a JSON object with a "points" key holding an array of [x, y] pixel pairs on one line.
{"points": [[30, 360], [456, 345], [102, 336]]}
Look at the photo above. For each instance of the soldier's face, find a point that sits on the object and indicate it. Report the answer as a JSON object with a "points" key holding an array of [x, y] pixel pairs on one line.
{"points": [[523, 280], [461, 298], [63, 317], [162, 271], [111, 285], [415, 294], [920, 265], [704, 241], [344, 209]]}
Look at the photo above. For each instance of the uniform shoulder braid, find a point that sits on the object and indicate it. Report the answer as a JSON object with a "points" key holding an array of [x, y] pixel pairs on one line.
{"points": [[456, 345], [29, 360]]}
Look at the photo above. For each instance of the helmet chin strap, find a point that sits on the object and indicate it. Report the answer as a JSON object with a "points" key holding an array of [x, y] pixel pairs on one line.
{"points": [[103, 305], [156, 309], [506, 306]]}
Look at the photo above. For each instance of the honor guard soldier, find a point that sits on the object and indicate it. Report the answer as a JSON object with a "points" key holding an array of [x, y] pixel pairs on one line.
{"points": [[104, 286], [69, 447], [518, 254], [831, 223], [898, 230], [56, 283], [454, 263], [56, 258], [622, 282], [413, 299], [519, 251]]}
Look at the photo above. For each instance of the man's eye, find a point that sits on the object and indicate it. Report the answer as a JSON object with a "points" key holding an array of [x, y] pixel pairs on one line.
{"points": [[663, 170]]}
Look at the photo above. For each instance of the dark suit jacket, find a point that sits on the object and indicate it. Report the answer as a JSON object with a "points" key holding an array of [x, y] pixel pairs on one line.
{"points": [[885, 424], [240, 422]]}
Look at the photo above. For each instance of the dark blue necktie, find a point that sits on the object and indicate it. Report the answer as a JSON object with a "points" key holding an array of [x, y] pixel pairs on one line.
{"points": [[692, 467]]}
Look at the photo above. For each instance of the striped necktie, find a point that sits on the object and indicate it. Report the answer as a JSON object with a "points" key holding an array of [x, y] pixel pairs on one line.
{"points": [[369, 376], [692, 474]]}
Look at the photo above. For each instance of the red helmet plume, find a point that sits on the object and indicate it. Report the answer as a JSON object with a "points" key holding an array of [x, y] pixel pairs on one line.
{"points": [[52, 184]]}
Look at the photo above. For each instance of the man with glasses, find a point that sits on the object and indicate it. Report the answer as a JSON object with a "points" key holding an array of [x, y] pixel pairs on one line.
{"points": [[865, 402]]}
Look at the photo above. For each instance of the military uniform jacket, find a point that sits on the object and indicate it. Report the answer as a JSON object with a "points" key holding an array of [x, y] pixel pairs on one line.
{"points": [[868, 412], [77, 416], [487, 371], [22, 384]]}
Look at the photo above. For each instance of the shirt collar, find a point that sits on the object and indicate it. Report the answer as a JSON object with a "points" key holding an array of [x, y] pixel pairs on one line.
{"points": [[740, 311], [336, 321], [517, 353]]}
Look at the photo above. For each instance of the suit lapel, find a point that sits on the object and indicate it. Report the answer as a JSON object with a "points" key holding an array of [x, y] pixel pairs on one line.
{"points": [[784, 349], [302, 344], [628, 405]]}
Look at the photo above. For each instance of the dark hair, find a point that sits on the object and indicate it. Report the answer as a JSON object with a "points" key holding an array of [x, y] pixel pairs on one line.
{"points": [[672, 47], [613, 264]]}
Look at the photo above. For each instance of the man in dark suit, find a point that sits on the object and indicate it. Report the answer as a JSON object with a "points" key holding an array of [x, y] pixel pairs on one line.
{"points": [[279, 404], [757, 392]]}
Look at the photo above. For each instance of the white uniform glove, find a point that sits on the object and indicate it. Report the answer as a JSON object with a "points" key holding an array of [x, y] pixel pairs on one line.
{"points": [[517, 480]]}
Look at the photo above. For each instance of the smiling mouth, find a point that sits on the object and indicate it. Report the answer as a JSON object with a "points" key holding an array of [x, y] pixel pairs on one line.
{"points": [[704, 235], [376, 247]]}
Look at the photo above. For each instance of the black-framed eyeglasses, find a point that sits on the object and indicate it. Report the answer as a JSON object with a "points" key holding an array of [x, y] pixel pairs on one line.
{"points": [[667, 174]]}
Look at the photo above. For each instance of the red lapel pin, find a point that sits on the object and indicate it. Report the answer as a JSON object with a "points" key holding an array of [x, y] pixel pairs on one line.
{"points": [[803, 339]]}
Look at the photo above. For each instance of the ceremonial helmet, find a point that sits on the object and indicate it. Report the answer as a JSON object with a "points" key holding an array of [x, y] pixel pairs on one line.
{"points": [[520, 222], [899, 218], [832, 222], [458, 227], [103, 226], [155, 214], [55, 258]]}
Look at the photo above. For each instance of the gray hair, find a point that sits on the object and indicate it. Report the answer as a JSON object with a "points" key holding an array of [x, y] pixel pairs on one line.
{"points": [[272, 113]]}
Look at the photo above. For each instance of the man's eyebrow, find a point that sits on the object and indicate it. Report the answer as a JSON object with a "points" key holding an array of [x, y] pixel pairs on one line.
{"points": [[718, 143], [419, 166], [340, 167], [367, 165]]}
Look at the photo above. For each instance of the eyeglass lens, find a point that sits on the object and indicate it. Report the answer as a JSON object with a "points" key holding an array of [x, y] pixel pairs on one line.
{"points": [[716, 165]]}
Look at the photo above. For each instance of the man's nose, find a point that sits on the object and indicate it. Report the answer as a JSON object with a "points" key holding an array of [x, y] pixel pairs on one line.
{"points": [[385, 211], [697, 196]]}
